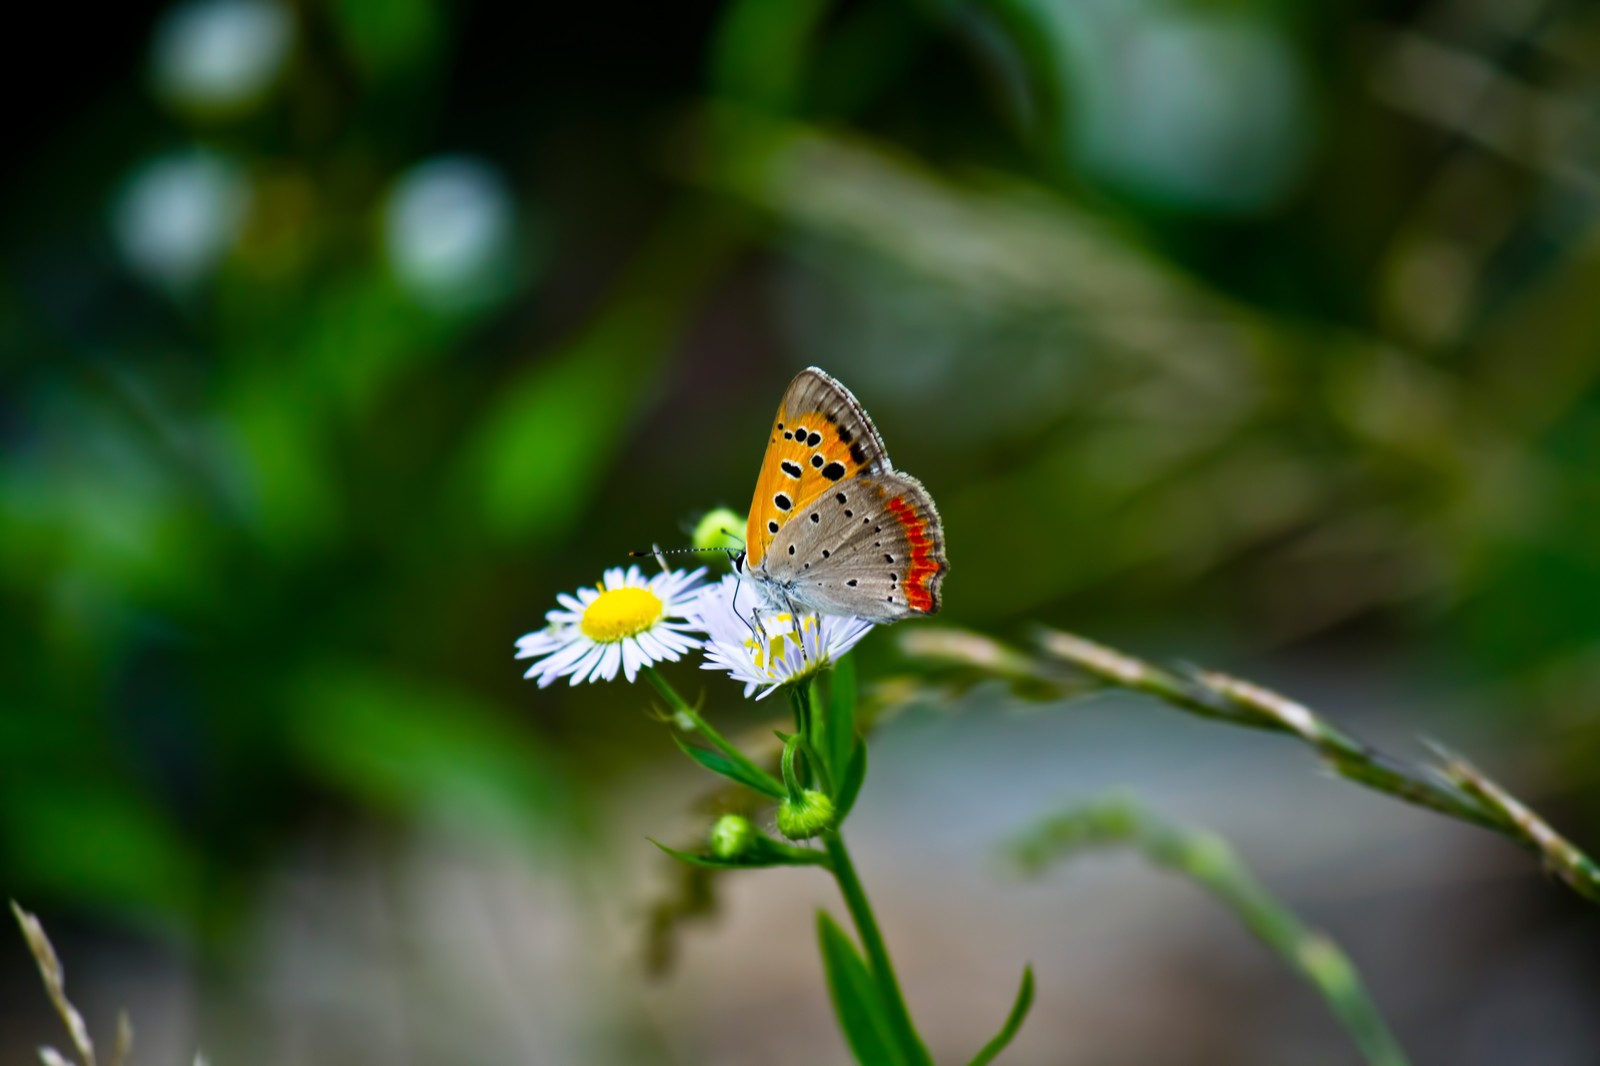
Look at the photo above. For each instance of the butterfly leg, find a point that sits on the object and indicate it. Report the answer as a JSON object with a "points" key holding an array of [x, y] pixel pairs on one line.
{"points": [[794, 621]]}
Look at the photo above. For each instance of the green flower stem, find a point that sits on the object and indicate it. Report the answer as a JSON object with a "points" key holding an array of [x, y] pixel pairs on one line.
{"points": [[790, 780], [855, 898], [680, 706]]}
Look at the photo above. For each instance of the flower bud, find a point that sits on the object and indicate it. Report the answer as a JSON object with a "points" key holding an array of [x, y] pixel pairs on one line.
{"points": [[733, 836], [805, 817], [720, 528]]}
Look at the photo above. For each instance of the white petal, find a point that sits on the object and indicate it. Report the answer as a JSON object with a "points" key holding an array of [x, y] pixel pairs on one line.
{"points": [[611, 663], [570, 602], [562, 660], [580, 672], [660, 650], [541, 643], [633, 657]]}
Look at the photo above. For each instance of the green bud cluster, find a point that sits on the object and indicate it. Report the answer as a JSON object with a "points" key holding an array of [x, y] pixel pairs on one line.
{"points": [[733, 836], [808, 816]]}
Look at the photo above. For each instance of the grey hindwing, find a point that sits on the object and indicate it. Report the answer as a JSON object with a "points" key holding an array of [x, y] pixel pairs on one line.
{"points": [[852, 558]]}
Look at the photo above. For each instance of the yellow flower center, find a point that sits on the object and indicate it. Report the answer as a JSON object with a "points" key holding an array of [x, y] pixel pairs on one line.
{"points": [[620, 613]]}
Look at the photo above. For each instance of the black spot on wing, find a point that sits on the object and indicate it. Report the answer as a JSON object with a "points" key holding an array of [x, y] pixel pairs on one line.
{"points": [[816, 519], [782, 502], [816, 459], [792, 469], [858, 453], [772, 525], [815, 439], [833, 471]]}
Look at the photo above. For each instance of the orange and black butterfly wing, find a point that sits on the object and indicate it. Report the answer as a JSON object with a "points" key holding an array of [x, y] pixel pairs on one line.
{"points": [[820, 438]]}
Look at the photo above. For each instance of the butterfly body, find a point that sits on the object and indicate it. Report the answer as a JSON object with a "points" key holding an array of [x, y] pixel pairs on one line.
{"points": [[833, 527]]}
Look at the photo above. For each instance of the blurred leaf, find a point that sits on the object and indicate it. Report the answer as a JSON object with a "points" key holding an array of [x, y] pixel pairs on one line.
{"points": [[1019, 1011], [391, 38], [758, 55], [856, 1005], [292, 500], [85, 837], [414, 745], [1211, 863], [359, 334], [533, 465]]}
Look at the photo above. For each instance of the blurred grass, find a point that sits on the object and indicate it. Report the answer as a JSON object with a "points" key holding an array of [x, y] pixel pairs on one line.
{"points": [[1208, 861]]}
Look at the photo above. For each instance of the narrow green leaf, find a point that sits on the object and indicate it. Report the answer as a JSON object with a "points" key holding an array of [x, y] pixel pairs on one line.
{"points": [[855, 772], [719, 763], [839, 729], [856, 1002], [1019, 1011]]}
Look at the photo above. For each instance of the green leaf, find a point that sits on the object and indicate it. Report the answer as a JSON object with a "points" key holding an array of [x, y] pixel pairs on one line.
{"points": [[839, 725], [1019, 1011], [856, 1002], [719, 763], [855, 772]]}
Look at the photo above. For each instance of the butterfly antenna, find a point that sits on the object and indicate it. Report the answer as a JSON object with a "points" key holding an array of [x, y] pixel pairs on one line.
{"points": [[651, 553], [658, 550]]}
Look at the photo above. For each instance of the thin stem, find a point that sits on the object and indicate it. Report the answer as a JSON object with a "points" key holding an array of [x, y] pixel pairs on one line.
{"points": [[1451, 787], [681, 706], [790, 780], [855, 898], [1455, 789]]}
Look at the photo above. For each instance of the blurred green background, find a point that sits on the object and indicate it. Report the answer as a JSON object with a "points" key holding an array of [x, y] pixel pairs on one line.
{"points": [[338, 337]]}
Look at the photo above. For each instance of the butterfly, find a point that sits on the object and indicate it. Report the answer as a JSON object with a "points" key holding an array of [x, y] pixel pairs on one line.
{"points": [[833, 527]]}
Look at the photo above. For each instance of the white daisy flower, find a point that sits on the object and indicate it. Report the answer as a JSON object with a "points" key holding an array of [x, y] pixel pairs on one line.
{"points": [[764, 650], [623, 623]]}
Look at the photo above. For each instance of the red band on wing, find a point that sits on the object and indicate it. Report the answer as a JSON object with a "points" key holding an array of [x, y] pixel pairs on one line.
{"points": [[923, 565]]}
